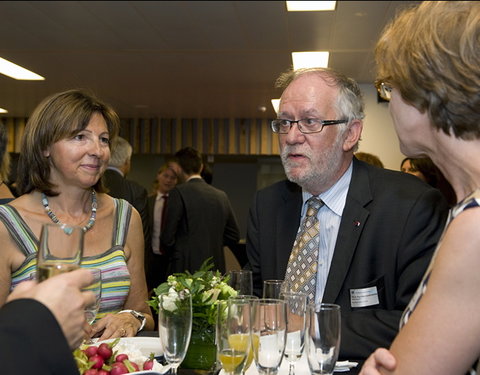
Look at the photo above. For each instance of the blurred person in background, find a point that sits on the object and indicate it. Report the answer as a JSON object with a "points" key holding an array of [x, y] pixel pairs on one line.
{"points": [[369, 158], [5, 192]]}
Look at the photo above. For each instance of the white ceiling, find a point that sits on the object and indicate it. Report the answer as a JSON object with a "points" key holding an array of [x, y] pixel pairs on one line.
{"points": [[178, 58]]}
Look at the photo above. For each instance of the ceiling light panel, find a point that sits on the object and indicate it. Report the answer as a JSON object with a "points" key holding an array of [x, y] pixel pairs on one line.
{"points": [[314, 59], [310, 6], [17, 72]]}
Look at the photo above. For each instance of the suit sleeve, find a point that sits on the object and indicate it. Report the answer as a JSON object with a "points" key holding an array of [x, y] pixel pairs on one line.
{"points": [[253, 248], [365, 330], [231, 234], [32, 342]]}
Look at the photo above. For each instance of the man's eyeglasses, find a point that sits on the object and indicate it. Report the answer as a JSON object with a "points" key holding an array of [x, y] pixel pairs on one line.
{"points": [[306, 125], [384, 89]]}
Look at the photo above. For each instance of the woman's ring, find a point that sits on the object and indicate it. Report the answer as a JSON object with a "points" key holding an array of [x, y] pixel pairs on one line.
{"points": [[123, 332]]}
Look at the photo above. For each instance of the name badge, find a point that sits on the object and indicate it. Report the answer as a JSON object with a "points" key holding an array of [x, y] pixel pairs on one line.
{"points": [[364, 297]]}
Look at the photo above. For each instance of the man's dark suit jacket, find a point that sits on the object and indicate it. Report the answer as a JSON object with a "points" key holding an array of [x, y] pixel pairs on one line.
{"points": [[199, 222], [390, 226], [32, 342], [156, 265], [132, 192]]}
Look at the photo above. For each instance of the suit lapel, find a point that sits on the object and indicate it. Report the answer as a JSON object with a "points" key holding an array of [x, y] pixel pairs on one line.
{"points": [[353, 220]]}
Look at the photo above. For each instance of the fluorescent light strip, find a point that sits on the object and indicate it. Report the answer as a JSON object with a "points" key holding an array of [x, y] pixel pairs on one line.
{"points": [[318, 59], [17, 72], [310, 6], [3, 110]]}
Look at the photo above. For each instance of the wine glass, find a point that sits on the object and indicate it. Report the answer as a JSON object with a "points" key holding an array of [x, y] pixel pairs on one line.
{"points": [[91, 310], [233, 334], [273, 288], [241, 281], [296, 320], [175, 326], [269, 330], [60, 250], [323, 337]]}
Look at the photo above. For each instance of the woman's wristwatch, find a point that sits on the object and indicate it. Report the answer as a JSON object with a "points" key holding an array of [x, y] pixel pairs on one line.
{"points": [[138, 315]]}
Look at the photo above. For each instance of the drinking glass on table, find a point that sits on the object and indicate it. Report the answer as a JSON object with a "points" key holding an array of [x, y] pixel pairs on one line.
{"points": [[273, 288], [241, 281], [269, 330], [296, 320], [175, 326], [60, 250], [323, 337], [233, 331]]}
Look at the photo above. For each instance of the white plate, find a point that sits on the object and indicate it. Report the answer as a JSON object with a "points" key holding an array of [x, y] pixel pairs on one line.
{"points": [[146, 345]]}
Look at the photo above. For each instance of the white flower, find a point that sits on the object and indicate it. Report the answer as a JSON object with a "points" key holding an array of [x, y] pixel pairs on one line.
{"points": [[169, 300]]}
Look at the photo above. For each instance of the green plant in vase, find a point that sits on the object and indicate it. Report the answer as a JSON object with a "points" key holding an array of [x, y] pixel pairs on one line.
{"points": [[206, 287]]}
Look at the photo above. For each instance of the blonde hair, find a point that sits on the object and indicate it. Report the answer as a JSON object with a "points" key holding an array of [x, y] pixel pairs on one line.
{"points": [[431, 54]]}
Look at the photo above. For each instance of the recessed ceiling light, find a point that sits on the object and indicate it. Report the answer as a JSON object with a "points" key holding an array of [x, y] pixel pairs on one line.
{"points": [[310, 6], [17, 72], [275, 104], [3, 110], [310, 59]]}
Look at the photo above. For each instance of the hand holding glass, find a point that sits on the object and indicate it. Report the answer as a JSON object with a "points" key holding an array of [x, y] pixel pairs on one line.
{"points": [[60, 250], [323, 338], [175, 326]]}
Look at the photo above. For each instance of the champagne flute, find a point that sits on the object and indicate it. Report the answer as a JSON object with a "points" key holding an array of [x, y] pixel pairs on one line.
{"points": [[91, 310], [233, 334], [175, 326], [323, 337], [60, 250], [273, 288], [296, 320], [241, 281], [269, 329]]}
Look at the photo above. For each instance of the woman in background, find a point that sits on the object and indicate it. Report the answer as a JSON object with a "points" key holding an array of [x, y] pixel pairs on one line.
{"points": [[5, 192]]}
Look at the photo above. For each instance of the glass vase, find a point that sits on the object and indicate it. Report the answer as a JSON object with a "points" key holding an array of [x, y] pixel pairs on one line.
{"points": [[201, 353]]}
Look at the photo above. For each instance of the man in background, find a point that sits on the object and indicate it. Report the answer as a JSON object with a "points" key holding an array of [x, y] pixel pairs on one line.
{"points": [[120, 187], [156, 259], [199, 219], [370, 232]]}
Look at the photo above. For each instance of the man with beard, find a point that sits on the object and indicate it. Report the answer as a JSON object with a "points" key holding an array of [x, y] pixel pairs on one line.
{"points": [[374, 229]]}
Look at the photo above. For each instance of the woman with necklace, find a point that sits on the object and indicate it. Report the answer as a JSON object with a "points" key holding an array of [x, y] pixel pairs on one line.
{"points": [[65, 150]]}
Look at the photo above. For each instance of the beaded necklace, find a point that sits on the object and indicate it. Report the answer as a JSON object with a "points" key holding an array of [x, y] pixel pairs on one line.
{"points": [[64, 226]]}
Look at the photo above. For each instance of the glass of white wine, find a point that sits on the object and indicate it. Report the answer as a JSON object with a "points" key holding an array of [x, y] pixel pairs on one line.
{"points": [[60, 250], [91, 310], [233, 335]]}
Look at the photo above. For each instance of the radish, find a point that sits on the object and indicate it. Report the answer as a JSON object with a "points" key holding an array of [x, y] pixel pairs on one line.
{"points": [[148, 364], [91, 371], [118, 368], [121, 358], [105, 351], [97, 361], [91, 351]]}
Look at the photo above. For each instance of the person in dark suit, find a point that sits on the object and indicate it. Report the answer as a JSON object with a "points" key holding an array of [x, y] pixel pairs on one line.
{"points": [[156, 260], [121, 187], [199, 219], [42, 323], [378, 228]]}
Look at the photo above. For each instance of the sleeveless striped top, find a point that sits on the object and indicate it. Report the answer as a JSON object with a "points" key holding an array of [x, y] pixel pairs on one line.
{"points": [[115, 275]]}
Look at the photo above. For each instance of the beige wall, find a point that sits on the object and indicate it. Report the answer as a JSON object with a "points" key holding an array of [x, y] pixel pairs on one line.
{"points": [[378, 136]]}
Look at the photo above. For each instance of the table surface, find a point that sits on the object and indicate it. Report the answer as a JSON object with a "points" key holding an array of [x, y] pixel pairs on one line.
{"points": [[301, 368]]}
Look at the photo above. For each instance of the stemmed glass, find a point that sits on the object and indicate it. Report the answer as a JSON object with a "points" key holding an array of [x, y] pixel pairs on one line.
{"points": [[60, 250], [323, 337], [91, 310], [296, 320], [273, 288], [175, 326], [269, 330], [233, 334], [241, 281]]}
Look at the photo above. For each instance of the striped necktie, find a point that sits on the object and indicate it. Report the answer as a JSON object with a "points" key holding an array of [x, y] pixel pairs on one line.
{"points": [[302, 265]]}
